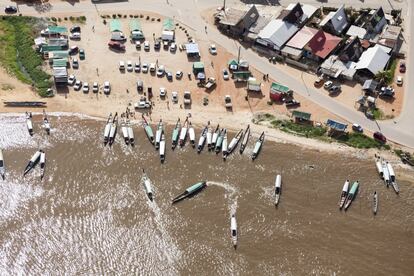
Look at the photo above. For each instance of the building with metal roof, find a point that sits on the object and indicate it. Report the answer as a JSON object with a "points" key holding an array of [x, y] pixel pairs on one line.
{"points": [[322, 44], [336, 21], [372, 61], [276, 34]]}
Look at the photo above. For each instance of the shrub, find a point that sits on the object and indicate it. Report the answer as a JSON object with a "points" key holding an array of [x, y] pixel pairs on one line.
{"points": [[131, 16], [152, 19], [159, 19], [71, 18], [141, 16], [54, 19], [114, 16], [125, 16], [119, 15], [82, 18], [59, 19], [147, 18], [66, 19]]}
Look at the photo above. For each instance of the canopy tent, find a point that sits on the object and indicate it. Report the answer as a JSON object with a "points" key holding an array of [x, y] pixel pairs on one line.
{"points": [[198, 67], [50, 48], [115, 25], [336, 125], [370, 85], [60, 62], [233, 64], [278, 91], [301, 116], [58, 54], [254, 85], [57, 30], [192, 49], [168, 24], [167, 35], [241, 75]]}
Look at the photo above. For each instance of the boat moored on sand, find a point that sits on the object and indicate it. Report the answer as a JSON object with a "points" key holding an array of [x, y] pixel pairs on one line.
{"points": [[214, 138], [245, 139], [124, 130], [183, 133], [46, 123], [344, 194], [2, 171], [112, 132], [258, 146], [380, 170], [191, 133], [29, 123], [209, 135], [190, 191], [162, 148], [158, 133], [234, 142], [175, 134], [202, 139], [32, 163], [148, 130], [107, 129], [351, 195], [130, 133], [224, 146], [219, 141]]}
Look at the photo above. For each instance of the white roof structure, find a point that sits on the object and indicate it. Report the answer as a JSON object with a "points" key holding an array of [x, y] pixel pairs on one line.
{"points": [[192, 48], [277, 33], [374, 59], [357, 31]]}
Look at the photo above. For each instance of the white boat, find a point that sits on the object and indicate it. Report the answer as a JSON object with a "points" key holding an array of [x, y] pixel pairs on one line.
{"points": [[107, 128], [344, 194], [234, 142], [147, 186], [162, 148], [191, 133], [42, 164], [233, 230], [209, 136], [245, 139], [395, 187], [202, 140], [1, 165], [32, 163], [390, 171], [278, 188], [386, 174], [112, 132], [130, 133], [380, 170], [158, 133], [46, 123], [124, 130], [375, 203], [29, 123], [224, 145], [183, 133], [258, 146], [215, 137]]}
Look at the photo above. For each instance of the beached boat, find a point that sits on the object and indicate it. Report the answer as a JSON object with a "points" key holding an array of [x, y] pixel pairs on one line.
{"points": [[278, 188], [33, 161], [344, 194], [395, 186], [2, 171], [176, 134], [351, 195], [42, 164], [107, 128], [162, 148], [202, 140], [214, 138], [183, 133], [158, 133], [209, 135], [219, 141], [112, 132], [386, 174], [29, 123], [147, 185], [233, 230], [375, 203], [124, 130], [190, 191], [245, 139], [380, 170], [234, 142], [46, 123], [130, 133], [390, 171], [258, 146], [148, 130], [224, 146], [191, 133]]}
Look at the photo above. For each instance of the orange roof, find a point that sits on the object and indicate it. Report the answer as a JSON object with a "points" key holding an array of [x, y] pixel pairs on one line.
{"points": [[322, 44]]}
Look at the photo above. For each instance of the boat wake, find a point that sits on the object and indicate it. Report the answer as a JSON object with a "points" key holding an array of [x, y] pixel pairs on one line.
{"points": [[232, 194]]}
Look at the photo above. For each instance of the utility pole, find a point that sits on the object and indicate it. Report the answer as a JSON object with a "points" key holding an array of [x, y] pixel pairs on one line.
{"points": [[238, 56], [224, 5]]}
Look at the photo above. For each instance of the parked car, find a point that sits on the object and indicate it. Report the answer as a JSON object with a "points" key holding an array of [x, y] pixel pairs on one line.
{"points": [[144, 68], [75, 29], [137, 67], [73, 50], [225, 74], [10, 9], [291, 103], [319, 82], [187, 97], [169, 75], [163, 92], [81, 54], [173, 47], [115, 45], [85, 87], [157, 45], [95, 87], [328, 85], [387, 91], [213, 49], [227, 102], [138, 45], [71, 80], [357, 128], [118, 36], [152, 68], [75, 36], [143, 103], [402, 67], [140, 85], [75, 63], [121, 66], [334, 89], [174, 97], [129, 66], [78, 85], [146, 45], [399, 80], [160, 71], [179, 75], [107, 87], [380, 137], [166, 45]]}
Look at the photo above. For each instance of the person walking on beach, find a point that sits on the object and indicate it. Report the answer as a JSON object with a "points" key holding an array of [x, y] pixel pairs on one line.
{"points": [[93, 28]]}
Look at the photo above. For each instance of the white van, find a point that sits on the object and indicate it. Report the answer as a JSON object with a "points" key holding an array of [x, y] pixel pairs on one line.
{"points": [[121, 66]]}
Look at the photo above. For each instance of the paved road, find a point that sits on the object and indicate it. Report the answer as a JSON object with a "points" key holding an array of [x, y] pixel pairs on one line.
{"points": [[401, 131]]}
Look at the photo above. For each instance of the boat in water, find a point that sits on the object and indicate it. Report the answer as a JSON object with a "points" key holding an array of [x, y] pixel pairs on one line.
{"points": [[224, 146], [351, 195], [233, 230], [258, 146], [209, 135], [124, 130], [344, 194], [245, 139], [214, 137], [175, 134], [162, 148], [130, 133], [190, 191], [148, 130], [202, 139], [390, 171], [395, 187], [219, 141], [2, 171], [46, 123], [386, 173], [107, 129], [191, 133], [234, 142], [32, 163], [112, 132], [42, 164], [278, 188], [380, 170], [29, 123], [147, 186], [158, 133], [375, 203], [183, 133]]}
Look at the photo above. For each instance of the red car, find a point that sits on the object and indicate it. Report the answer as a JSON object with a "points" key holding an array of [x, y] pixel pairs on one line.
{"points": [[116, 45], [402, 67], [380, 137]]}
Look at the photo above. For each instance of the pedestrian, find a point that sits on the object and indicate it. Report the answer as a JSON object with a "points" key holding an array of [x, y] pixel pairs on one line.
{"points": [[97, 72], [212, 65], [205, 28], [267, 77], [93, 28]]}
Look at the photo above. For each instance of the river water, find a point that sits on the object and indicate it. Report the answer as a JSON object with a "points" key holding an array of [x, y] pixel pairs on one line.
{"points": [[90, 214]]}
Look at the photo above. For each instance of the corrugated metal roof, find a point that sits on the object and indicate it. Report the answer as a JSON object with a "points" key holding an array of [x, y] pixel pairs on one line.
{"points": [[302, 37], [374, 59], [60, 62], [301, 115], [278, 32], [198, 65], [57, 29], [278, 88], [336, 125]]}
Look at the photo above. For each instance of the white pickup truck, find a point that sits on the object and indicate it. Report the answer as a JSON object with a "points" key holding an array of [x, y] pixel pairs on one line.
{"points": [[187, 97], [227, 102]]}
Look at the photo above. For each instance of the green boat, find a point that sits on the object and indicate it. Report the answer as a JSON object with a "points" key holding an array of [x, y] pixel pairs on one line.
{"points": [[175, 134], [148, 130], [190, 191], [351, 194], [219, 141], [258, 146]]}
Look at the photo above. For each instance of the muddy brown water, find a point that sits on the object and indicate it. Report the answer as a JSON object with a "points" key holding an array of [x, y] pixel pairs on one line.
{"points": [[90, 214]]}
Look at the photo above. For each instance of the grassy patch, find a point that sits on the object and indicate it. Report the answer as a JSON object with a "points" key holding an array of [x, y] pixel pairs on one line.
{"points": [[299, 129], [361, 141], [6, 86], [17, 54], [378, 114]]}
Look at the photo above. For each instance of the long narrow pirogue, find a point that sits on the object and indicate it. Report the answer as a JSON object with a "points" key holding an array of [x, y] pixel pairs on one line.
{"points": [[46, 122], [42, 164], [219, 141], [258, 146], [176, 134], [107, 128], [162, 148], [124, 130], [278, 188], [29, 123], [130, 133], [202, 139], [375, 203], [344, 194], [148, 130], [209, 135], [190, 191], [1, 164], [191, 133], [233, 230], [32, 163], [183, 133], [234, 142], [158, 133], [214, 138], [224, 146], [351, 194], [112, 132], [147, 185], [245, 139]]}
